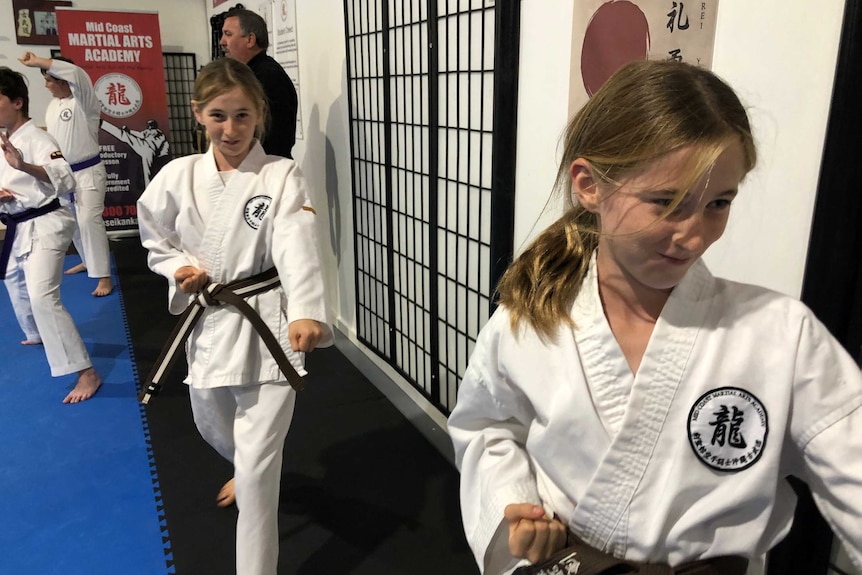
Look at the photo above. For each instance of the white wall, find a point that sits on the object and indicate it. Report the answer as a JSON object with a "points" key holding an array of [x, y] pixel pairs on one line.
{"points": [[781, 59], [184, 27]]}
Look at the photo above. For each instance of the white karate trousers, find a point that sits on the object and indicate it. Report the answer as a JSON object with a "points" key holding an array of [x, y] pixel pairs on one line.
{"points": [[38, 275], [91, 239], [247, 425], [17, 288]]}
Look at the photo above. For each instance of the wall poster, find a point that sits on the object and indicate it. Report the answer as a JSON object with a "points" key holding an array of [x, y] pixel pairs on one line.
{"points": [[609, 34], [122, 53], [286, 49], [36, 21]]}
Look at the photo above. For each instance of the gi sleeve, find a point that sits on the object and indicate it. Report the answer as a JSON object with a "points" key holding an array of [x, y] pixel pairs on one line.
{"points": [[489, 430], [157, 214], [81, 86], [827, 428], [60, 173], [295, 254], [45, 152]]}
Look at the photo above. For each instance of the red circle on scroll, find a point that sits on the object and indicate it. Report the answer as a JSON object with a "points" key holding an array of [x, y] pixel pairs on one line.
{"points": [[618, 33]]}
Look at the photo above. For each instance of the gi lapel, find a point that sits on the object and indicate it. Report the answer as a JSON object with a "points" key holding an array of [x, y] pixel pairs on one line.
{"points": [[224, 212], [599, 516], [608, 374]]}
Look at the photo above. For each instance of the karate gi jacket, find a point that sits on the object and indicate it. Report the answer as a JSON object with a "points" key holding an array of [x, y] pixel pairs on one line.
{"points": [[739, 387], [54, 230], [74, 121], [261, 218]]}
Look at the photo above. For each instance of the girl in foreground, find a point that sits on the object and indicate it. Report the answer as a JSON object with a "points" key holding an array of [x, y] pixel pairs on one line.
{"points": [[232, 214], [622, 400]]}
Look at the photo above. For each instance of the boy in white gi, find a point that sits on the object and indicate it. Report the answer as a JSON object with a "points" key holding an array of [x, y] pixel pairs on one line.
{"points": [[211, 220], [33, 174], [622, 396], [72, 118]]}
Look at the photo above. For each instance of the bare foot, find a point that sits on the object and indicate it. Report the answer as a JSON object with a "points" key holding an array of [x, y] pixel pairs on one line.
{"points": [[32, 342], [104, 287], [226, 496], [88, 384], [75, 269]]}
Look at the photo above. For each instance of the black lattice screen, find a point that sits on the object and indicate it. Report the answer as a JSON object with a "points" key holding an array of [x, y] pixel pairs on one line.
{"points": [[432, 88], [180, 71]]}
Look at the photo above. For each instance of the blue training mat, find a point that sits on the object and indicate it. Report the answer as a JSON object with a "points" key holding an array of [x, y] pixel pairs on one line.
{"points": [[78, 488]]}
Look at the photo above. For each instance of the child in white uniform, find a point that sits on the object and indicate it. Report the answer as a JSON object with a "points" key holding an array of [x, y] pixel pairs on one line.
{"points": [[625, 401], [228, 215], [73, 118], [33, 173]]}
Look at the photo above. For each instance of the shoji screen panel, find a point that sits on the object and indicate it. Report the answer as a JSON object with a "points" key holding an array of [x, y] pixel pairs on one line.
{"points": [[432, 206]]}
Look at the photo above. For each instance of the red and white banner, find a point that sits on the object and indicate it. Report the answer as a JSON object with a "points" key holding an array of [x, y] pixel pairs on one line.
{"points": [[122, 53]]}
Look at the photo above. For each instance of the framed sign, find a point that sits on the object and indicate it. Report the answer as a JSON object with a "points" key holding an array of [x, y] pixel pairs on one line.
{"points": [[607, 34], [36, 21]]}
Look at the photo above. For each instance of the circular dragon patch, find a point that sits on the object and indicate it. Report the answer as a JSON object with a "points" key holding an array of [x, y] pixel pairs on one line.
{"points": [[727, 429], [255, 209]]}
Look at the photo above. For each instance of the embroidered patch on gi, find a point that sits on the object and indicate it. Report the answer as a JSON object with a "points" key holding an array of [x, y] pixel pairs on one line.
{"points": [[56, 155], [65, 114], [255, 209], [727, 429]]}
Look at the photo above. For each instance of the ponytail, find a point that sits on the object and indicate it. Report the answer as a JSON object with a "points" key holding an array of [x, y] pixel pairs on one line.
{"points": [[541, 284]]}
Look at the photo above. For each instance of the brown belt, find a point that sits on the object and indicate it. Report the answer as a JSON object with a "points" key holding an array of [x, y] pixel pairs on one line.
{"points": [[581, 559], [217, 294]]}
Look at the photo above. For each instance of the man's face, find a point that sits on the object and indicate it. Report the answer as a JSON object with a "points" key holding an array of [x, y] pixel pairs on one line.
{"points": [[233, 43]]}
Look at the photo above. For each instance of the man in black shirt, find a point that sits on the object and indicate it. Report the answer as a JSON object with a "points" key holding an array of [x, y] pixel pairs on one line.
{"points": [[244, 38]]}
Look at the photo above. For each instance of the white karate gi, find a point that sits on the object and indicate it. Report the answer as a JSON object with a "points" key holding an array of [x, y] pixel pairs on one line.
{"points": [[36, 263], [74, 123], [241, 402], [643, 466]]}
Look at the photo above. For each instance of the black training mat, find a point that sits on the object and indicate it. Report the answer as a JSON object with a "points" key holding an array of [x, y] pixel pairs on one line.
{"points": [[362, 491]]}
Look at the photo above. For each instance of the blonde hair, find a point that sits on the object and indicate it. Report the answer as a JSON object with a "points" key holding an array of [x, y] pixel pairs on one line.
{"points": [[223, 75], [646, 110]]}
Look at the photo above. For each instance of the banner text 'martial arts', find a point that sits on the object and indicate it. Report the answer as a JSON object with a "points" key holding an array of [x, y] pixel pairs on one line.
{"points": [[107, 42]]}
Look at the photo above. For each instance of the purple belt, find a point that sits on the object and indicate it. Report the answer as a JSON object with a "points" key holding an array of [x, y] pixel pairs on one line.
{"points": [[89, 162], [11, 221]]}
